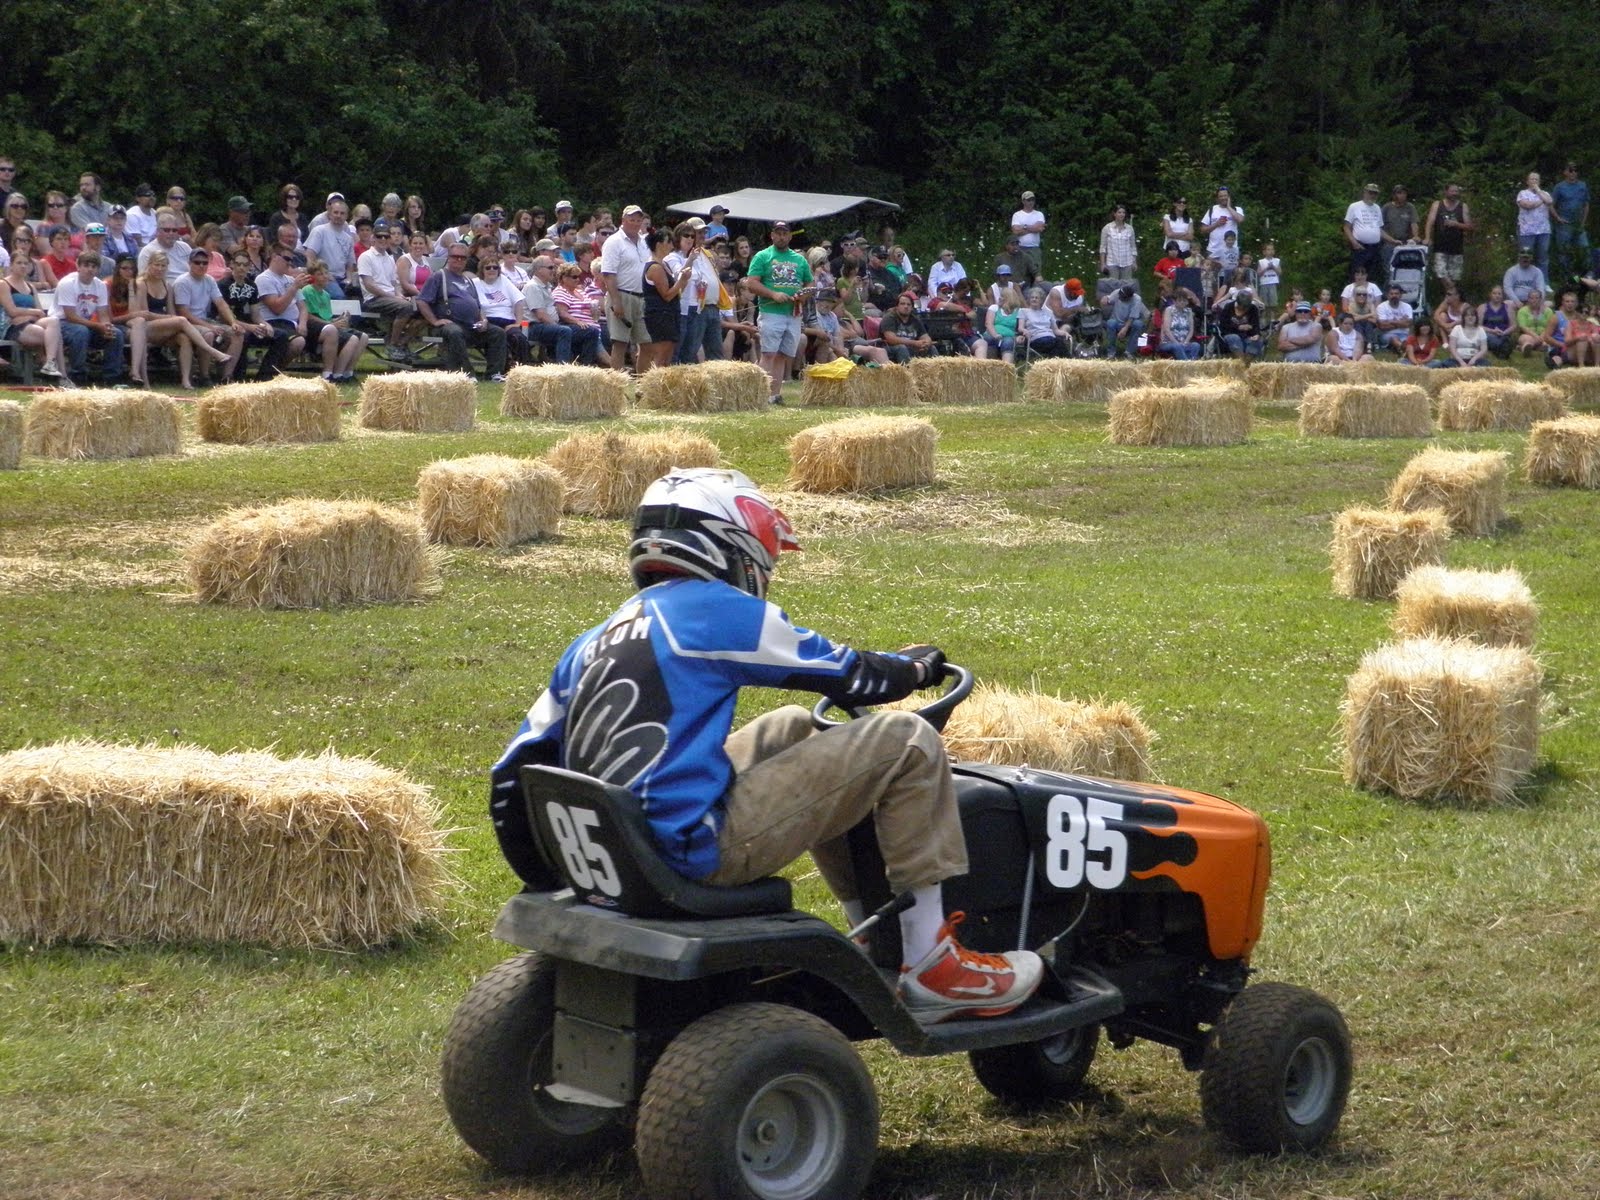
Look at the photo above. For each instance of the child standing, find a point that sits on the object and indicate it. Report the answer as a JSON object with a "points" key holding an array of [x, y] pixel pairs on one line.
{"points": [[1323, 309], [1268, 272]]}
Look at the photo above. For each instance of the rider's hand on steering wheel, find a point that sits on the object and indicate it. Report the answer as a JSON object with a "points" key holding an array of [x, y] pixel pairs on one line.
{"points": [[929, 661]]}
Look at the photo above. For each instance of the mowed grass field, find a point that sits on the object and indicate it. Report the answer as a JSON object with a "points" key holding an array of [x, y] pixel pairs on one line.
{"points": [[1194, 583]]}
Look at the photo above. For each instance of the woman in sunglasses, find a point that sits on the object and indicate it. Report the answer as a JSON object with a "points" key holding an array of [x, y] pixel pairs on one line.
{"points": [[290, 200], [177, 200]]}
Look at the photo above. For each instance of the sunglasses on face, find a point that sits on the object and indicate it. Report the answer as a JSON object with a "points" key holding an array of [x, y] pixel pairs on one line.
{"points": [[56, 204]]}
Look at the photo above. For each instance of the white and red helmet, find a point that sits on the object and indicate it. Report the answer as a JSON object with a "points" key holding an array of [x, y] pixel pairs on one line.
{"points": [[708, 523]]}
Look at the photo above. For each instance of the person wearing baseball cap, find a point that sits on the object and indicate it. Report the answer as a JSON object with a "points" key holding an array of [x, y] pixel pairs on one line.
{"points": [[715, 226], [1028, 224], [1300, 340], [94, 238], [236, 226], [623, 257], [1363, 231]]}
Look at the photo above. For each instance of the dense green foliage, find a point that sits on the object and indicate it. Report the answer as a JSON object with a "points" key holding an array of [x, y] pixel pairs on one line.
{"points": [[946, 107]]}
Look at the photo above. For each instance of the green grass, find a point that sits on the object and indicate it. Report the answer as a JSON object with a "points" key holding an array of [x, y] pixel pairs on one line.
{"points": [[1191, 582]]}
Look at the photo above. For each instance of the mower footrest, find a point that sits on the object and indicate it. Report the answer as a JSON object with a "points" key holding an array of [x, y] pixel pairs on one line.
{"points": [[1093, 999]]}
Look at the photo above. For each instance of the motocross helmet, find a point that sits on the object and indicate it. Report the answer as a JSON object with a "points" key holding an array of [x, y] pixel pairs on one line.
{"points": [[708, 523]]}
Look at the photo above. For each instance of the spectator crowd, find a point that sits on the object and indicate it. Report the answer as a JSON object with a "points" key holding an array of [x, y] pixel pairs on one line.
{"points": [[82, 274]]}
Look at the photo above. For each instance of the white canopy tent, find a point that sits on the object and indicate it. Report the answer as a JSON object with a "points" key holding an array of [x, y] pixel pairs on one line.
{"points": [[767, 204]]}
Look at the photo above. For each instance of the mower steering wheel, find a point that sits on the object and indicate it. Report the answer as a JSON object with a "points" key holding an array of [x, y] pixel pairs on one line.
{"points": [[958, 686]]}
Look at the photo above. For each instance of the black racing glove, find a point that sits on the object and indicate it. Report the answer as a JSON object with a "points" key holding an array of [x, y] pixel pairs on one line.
{"points": [[929, 661]]}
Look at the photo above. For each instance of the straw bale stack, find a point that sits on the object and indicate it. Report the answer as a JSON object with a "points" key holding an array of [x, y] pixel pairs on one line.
{"points": [[1197, 415], [1175, 372], [490, 500], [1442, 719], [312, 554], [998, 725], [1286, 382], [1365, 410], [1469, 485], [1439, 378], [1580, 384], [420, 401], [1494, 607], [279, 410], [10, 435], [1565, 452], [607, 473], [561, 392], [1374, 549], [1497, 404], [957, 379], [737, 386], [863, 454], [1077, 380], [101, 423], [119, 843]]}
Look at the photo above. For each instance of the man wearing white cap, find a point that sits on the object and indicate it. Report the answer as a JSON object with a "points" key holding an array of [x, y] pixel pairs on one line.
{"points": [[1028, 224], [623, 258]]}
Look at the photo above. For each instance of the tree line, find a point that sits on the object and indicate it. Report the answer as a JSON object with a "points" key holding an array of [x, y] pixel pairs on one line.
{"points": [[949, 107]]}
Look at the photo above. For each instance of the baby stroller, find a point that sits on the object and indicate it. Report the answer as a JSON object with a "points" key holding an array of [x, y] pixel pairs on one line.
{"points": [[1408, 268], [1088, 332]]}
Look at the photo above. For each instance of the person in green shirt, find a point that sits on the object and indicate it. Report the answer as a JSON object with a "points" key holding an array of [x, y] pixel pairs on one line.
{"points": [[781, 280], [339, 345]]}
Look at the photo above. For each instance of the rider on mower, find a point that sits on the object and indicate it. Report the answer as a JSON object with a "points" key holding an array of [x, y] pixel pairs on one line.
{"points": [[646, 701]]}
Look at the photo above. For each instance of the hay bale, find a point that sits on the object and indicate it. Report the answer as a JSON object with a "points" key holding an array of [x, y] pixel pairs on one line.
{"points": [[1176, 372], [1374, 549], [279, 410], [10, 435], [1439, 378], [1380, 371], [890, 386], [737, 386], [1496, 404], [956, 379], [490, 500], [1580, 385], [1077, 380], [607, 473], [681, 389], [1365, 410], [121, 844], [1470, 486], [312, 554], [1181, 416], [1442, 719], [1565, 452], [863, 454], [101, 423], [1495, 607], [997, 725], [420, 401], [561, 392], [1286, 382]]}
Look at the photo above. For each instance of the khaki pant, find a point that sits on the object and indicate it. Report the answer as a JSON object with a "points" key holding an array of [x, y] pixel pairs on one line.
{"points": [[797, 789]]}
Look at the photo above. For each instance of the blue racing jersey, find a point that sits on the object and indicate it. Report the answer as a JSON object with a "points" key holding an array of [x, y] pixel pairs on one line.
{"points": [[645, 700]]}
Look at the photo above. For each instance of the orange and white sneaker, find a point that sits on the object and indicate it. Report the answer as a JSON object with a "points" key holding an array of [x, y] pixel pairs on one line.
{"points": [[953, 981]]}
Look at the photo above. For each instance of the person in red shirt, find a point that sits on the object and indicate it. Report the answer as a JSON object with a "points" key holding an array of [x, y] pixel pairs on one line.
{"points": [[63, 259], [1167, 266]]}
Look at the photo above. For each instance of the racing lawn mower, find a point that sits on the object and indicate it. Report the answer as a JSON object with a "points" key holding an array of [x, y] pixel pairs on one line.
{"points": [[715, 1024]]}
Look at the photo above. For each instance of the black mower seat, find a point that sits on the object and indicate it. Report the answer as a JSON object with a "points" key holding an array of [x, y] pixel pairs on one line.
{"points": [[595, 836]]}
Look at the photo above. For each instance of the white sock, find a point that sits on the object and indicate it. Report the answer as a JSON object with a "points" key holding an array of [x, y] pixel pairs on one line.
{"points": [[854, 913], [920, 924]]}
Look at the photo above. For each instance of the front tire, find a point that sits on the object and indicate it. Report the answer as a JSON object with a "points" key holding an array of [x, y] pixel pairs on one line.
{"points": [[496, 1065], [1277, 1070], [1037, 1073], [757, 1102]]}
